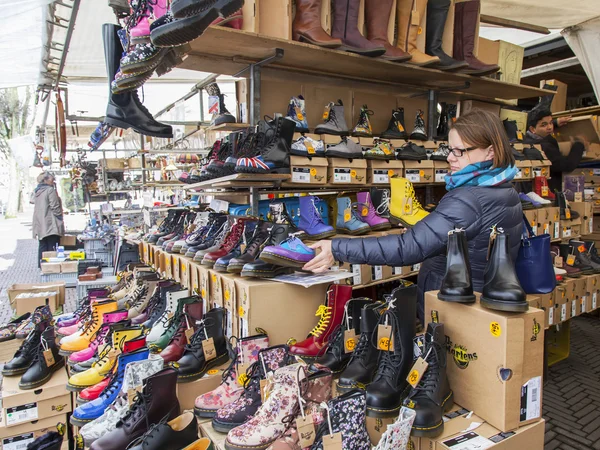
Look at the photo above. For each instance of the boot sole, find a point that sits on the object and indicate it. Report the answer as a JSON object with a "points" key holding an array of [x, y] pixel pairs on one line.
{"points": [[390, 136], [331, 132], [79, 422], [397, 221], [418, 137], [353, 232], [247, 169], [457, 298], [125, 126], [380, 227], [282, 261], [380, 158], [343, 388], [14, 373], [219, 360], [334, 154], [499, 305], [223, 427], [437, 429], [208, 263], [306, 154], [220, 268], [317, 43], [67, 353], [235, 268], [316, 237], [73, 388], [230, 446], [187, 8], [59, 365], [81, 401], [265, 274], [146, 65], [204, 413]]}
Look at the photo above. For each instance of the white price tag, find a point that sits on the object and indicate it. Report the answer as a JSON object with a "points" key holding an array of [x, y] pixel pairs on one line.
{"points": [[244, 328], [380, 176], [563, 313], [22, 413], [551, 316], [534, 228], [546, 228], [556, 230], [397, 270], [583, 304], [413, 175], [468, 441], [377, 272], [596, 172], [574, 308], [519, 175], [594, 300], [219, 205], [531, 393], [440, 175], [356, 279], [300, 175], [19, 442], [342, 176], [537, 171], [567, 232], [416, 267]]}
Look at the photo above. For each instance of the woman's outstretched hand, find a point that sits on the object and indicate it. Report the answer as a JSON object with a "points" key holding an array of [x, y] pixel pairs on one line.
{"points": [[323, 261]]}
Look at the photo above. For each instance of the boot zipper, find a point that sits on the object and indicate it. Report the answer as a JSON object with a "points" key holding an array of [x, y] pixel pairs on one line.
{"points": [[346, 22]]}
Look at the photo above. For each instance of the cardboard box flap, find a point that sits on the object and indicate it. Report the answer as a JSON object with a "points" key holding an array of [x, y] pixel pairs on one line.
{"points": [[12, 395], [385, 164], [424, 164], [343, 163], [441, 165], [308, 161]]}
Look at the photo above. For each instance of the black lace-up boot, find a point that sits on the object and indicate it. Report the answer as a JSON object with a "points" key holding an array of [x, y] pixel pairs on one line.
{"points": [[46, 361]]}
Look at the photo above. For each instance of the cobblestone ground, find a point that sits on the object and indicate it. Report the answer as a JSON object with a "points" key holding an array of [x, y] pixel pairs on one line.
{"points": [[571, 393]]}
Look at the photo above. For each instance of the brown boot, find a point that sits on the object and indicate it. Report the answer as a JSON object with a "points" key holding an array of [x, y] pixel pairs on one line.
{"points": [[465, 28], [307, 25], [408, 31], [377, 15]]}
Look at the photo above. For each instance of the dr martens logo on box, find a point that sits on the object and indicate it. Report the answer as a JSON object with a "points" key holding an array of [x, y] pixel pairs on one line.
{"points": [[58, 408], [460, 354], [536, 330]]}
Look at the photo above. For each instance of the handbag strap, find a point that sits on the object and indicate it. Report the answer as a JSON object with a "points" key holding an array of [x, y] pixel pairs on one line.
{"points": [[527, 230]]}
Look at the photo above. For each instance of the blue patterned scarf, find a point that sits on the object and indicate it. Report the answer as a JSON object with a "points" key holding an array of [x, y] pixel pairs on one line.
{"points": [[480, 174]]}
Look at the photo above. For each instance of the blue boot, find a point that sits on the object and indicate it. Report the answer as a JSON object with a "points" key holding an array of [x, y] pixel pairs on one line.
{"points": [[348, 219], [311, 221]]}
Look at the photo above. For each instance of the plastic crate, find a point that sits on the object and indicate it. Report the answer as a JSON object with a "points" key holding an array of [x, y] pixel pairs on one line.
{"points": [[84, 264], [106, 257], [92, 245], [70, 279]]}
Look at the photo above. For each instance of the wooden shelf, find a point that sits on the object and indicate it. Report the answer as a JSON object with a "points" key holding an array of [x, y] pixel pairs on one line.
{"points": [[229, 127], [239, 180], [386, 280], [227, 51]]}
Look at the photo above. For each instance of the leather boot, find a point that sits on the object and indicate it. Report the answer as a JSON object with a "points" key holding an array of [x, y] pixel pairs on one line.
{"points": [[570, 253], [363, 361], [381, 201], [572, 272], [233, 239], [396, 128], [25, 355], [307, 25], [401, 211], [466, 15], [407, 31], [582, 255], [192, 312], [193, 364], [377, 16], [457, 285], [331, 315], [253, 248], [384, 394], [501, 288], [50, 441], [174, 298], [169, 435], [46, 361], [85, 365], [432, 397], [590, 247], [88, 333], [339, 351], [311, 221], [566, 213], [437, 12], [125, 110], [369, 213], [541, 188], [157, 401], [262, 269], [345, 27]]}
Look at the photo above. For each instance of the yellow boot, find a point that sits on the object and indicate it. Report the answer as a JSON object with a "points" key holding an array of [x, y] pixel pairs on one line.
{"points": [[107, 359], [83, 340], [411, 23], [404, 205]]}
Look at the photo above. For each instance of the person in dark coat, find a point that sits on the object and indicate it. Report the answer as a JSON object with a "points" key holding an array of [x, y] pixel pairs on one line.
{"points": [[480, 196], [540, 128], [48, 222]]}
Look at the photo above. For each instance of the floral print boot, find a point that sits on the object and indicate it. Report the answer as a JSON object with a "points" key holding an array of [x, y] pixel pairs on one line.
{"points": [[268, 423], [347, 415], [318, 390], [245, 353], [240, 411]]}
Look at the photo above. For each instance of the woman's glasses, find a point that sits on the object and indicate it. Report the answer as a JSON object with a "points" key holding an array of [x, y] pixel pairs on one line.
{"points": [[458, 152]]}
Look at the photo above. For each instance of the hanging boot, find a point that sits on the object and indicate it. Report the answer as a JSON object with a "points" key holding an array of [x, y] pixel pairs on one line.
{"points": [[501, 288], [369, 214], [349, 220], [466, 15], [335, 121], [363, 127], [343, 343], [330, 317], [297, 113], [125, 110], [345, 27], [396, 129], [419, 132], [222, 115], [432, 397], [384, 394], [45, 362], [362, 366], [457, 285], [437, 12], [377, 16], [410, 20], [405, 208], [307, 25], [311, 221]]}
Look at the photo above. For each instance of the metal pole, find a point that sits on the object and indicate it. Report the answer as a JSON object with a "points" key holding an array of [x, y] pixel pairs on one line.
{"points": [[432, 103], [143, 160], [254, 196], [63, 57]]}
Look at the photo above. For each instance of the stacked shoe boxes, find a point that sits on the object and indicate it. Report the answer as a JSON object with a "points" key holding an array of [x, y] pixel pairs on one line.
{"points": [[19, 436], [347, 172], [307, 170], [586, 215]]}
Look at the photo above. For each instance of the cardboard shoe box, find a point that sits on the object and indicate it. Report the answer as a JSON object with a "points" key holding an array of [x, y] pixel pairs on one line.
{"points": [[28, 301], [495, 360], [441, 170], [380, 171], [19, 436], [307, 170], [50, 267], [561, 301], [346, 171], [532, 218], [419, 171]]}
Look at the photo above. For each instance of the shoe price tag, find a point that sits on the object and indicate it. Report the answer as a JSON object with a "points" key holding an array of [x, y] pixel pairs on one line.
{"points": [[299, 114], [347, 215], [306, 430], [413, 175], [551, 316], [544, 191], [300, 175], [357, 278], [407, 206], [208, 347], [440, 175], [309, 147], [242, 375], [49, 357], [189, 332], [563, 313], [583, 304], [364, 211], [594, 300], [415, 17], [349, 341], [380, 176], [556, 230], [326, 113], [18, 442], [332, 441], [416, 372], [265, 389], [558, 261], [570, 260], [519, 174], [385, 338], [578, 196], [573, 308], [400, 127], [568, 213]]}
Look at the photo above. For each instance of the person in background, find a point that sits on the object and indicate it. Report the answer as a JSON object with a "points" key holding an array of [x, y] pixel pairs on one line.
{"points": [[540, 128], [48, 223]]}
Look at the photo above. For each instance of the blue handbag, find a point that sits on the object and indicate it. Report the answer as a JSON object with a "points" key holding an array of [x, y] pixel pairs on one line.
{"points": [[534, 263]]}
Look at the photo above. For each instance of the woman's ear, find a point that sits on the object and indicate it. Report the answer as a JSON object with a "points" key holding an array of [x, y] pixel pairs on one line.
{"points": [[490, 154]]}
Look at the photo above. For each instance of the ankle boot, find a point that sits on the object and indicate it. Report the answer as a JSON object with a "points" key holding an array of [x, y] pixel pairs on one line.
{"points": [[381, 201], [405, 208], [377, 16], [369, 213], [311, 221], [45, 362], [339, 351], [99, 338], [335, 121], [363, 361], [348, 219], [222, 115], [307, 25], [419, 132], [466, 15], [49, 441], [169, 435], [253, 248], [165, 320], [297, 113], [139, 304], [233, 239], [501, 288], [396, 128], [345, 415], [541, 188], [157, 401], [408, 31], [83, 340], [566, 213], [572, 272], [363, 127], [26, 354], [193, 364], [432, 397], [263, 269], [579, 249], [592, 251], [437, 12], [243, 355], [345, 27], [384, 394], [189, 311], [457, 285], [443, 128], [125, 110]]}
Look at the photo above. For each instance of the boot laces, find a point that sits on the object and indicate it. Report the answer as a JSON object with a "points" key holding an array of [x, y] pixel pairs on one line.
{"points": [[200, 334], [412, 195], [390, 361], [234, 352], [315, 217], [149, 434], [362, 346], [419, 121], [324, 312], [113, 383], [257, 240], [363, 120], [138, 298], [101, 334], [384, 207], [332, 117], [430, 378], [89, 326], [271, 135], [335, 343]]}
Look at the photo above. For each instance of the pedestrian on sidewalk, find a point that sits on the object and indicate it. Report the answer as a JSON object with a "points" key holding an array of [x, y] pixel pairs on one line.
{"points": [[48, 223]]}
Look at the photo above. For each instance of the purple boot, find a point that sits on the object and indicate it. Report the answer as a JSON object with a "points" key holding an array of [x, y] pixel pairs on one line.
{"points": [[368, 213], [345, 27], [311, 221], [290, 253]]}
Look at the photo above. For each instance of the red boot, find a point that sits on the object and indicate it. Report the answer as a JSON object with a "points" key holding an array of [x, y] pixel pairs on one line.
{"points": [[331, 317], [174, 351], [92, 392], [541, 188]]}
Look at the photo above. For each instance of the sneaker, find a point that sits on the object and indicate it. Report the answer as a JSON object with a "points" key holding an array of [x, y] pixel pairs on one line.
{"points": [[536, 198]]}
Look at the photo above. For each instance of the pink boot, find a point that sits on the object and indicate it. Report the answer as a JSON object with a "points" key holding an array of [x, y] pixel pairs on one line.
{"points": [[232, 386], [107, 319], [143, 14], [368, 213], [235, 21]]}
